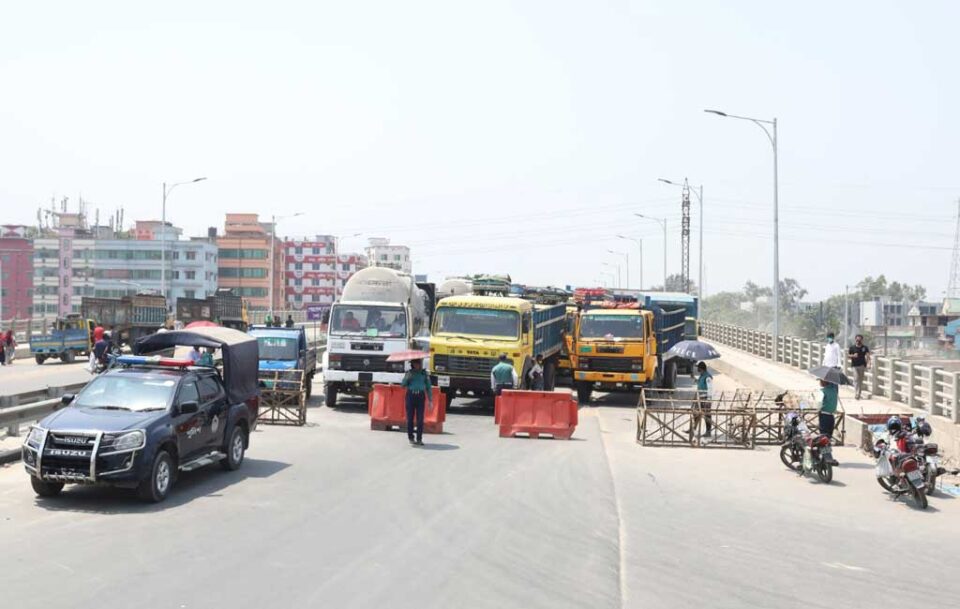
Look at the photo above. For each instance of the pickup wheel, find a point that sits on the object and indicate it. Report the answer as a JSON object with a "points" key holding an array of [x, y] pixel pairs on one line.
{"points": [[236, 446], [67, 357], [330, 395], [156, 486], [40, 359], [45, 489]]}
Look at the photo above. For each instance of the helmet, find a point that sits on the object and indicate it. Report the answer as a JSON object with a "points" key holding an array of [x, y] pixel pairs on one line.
{"points": [[894, 424], [923, 428], [793, 419]]}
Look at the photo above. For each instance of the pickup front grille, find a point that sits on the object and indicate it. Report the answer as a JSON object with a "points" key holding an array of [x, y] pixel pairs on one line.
{"points": [[610, 364], [464, 365]]}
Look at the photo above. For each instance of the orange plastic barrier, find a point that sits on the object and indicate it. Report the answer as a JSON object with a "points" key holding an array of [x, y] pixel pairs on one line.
{"points": [[387, 408], [536, 413]]}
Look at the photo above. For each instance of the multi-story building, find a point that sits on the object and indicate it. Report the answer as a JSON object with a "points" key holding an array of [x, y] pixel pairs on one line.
{"points": [[245, 261], [381, 253], [16, 273], [72, 265], [314, 272]]}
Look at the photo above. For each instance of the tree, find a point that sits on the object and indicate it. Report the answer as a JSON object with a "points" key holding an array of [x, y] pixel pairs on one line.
{"points": [[791, 293]]}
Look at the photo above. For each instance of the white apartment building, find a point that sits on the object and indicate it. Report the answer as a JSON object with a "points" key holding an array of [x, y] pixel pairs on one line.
{"points": [[381, 253]]}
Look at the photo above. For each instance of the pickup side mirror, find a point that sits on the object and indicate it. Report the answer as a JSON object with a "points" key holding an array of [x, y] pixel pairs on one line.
{"points": [[67, 398], [190, 407]]}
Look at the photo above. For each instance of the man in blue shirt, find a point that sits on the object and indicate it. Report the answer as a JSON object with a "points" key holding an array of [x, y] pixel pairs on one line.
{"points": [[417, 383]]}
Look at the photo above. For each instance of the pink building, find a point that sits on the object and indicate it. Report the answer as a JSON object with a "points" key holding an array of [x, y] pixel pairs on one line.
{"points": [[314, 272], [16, 273]]}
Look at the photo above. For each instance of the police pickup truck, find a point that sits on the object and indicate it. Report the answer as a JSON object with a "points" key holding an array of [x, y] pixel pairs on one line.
{"points": [[150, 417]]}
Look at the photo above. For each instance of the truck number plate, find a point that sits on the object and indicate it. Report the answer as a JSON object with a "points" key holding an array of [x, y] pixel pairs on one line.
{"points": [[443, 381]]}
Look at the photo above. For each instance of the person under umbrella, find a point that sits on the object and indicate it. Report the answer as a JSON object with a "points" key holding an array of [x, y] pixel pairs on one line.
{"points": [[705, 395], [830, 380], [419, 391]]}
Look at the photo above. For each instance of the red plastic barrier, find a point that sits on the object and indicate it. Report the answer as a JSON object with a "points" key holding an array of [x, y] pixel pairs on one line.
{"points": [[536, 413], [387, 408]]}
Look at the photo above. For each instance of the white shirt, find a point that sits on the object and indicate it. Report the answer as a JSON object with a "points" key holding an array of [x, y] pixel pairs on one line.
{"points": [[831, 355], [537, 369]]}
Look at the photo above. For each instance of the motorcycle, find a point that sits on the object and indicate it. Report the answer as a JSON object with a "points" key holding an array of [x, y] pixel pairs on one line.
{"points": [[805, 452], [101, 366], [901, 473], [932, 467]]}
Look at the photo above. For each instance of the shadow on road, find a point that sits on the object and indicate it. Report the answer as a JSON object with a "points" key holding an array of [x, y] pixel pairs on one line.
{"points": [[439, 447], [205, 482]]}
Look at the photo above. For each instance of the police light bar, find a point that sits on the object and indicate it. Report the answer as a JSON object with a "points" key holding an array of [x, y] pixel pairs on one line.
{"points": [[153, 360]]}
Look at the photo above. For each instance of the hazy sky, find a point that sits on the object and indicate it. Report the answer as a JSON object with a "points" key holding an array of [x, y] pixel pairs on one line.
{"points": [[498, 136]]}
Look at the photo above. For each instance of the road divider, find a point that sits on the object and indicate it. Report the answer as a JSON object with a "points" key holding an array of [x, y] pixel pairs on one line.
{"points": [[536, 413], [387, 408]]}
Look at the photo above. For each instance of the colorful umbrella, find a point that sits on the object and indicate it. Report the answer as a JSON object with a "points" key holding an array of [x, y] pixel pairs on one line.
{"points": [[406, 356], [201, 324]]}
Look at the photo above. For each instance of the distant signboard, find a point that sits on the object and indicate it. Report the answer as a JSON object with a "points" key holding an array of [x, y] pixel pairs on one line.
{"points": [[315, 312]]}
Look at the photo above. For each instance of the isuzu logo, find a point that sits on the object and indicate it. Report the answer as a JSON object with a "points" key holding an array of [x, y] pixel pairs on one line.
{"points": [[67, 452], [78, 440], [366, 362]]}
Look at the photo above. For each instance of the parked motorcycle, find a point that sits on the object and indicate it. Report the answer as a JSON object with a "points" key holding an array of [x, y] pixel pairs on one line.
{"points": [[805, 452], [932, 467], [900, 470]]}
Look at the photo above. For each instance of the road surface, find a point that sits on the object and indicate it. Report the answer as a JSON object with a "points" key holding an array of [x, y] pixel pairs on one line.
{"points": [[25, 375], [336, 515]]}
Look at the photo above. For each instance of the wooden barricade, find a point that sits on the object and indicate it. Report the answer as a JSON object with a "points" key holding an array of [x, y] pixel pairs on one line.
{"points": [[283, 397], [742, 419]]}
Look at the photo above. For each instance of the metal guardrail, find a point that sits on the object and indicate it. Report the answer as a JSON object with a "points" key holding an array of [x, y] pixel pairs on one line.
{"points": [[928, 388]]}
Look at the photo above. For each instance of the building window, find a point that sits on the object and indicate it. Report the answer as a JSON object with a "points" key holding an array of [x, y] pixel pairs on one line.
{"points": [[298, 282], [345, 266], [316, 251], [396, 257], [189, 294], [298, 250], [191, 274], [316, 266], [298, 266], [233, 272], [245, 254], [176, 274], [314, 282], [383, 257], [191, 255]]}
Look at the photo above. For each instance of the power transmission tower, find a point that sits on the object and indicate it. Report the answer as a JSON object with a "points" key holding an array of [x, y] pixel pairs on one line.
{"points": [[685, 238], [953, 291]]}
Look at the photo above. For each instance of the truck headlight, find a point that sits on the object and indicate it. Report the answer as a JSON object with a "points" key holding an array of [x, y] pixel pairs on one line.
{"points": [[34, 438], [440, 368], [636, 366], [133, 440], [333, 364]]}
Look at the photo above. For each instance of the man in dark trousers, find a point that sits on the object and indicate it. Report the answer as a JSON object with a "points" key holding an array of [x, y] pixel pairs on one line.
{"points": [[705, 396], [859, 358], [417, 383]]}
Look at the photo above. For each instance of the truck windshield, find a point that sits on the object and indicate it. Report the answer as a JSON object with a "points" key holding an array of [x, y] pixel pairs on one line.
{"points": [[484, 322], [278, 348], [611, 326], [368, 320], [123, 392]]}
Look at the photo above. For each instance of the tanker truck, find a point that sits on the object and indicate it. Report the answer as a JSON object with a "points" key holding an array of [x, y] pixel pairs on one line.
{"points": [[379, 312]]}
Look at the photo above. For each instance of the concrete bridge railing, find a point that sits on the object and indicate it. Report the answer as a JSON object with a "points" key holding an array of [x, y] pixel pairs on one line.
{"points": [[928, 388]]}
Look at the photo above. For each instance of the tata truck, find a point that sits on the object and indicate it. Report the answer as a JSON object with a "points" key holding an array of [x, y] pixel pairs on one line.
{"points": [[70, 337], [623, 346], [223, 308], [282, 349], [127, 319], [470, 332], [381, 311], [672, 301]]}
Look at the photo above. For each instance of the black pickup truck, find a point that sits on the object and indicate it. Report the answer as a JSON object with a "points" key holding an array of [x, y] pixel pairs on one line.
{"points": [[142, 422]]}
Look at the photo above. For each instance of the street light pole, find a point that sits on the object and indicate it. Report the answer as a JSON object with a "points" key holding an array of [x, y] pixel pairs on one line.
{"points": [[618, 275], [776, 206], [163, 235], [663, 223], [626, 256], [639, 243]]}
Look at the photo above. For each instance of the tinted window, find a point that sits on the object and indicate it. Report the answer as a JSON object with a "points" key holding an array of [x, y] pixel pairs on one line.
{"points": [[209, 389], [188, 393]]}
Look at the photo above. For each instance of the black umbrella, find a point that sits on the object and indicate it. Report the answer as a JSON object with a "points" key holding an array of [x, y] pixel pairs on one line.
{"points": [[694, 350], [831, 375]]}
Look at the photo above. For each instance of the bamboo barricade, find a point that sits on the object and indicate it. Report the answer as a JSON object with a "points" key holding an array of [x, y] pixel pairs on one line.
{"points": [[739, 419], [283, 397]]}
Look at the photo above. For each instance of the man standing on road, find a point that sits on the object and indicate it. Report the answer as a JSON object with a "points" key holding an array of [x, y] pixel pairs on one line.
{"points": [[705, 396], [831, 353], [828, 407], [417, 383], [503, 376], [859, 359]]}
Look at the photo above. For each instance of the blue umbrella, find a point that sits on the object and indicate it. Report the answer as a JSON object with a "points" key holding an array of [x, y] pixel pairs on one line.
{"points": [[694, 350]]}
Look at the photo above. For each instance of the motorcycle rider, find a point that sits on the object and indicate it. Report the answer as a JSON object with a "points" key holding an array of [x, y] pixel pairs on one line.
{"points": [[101, 349]]}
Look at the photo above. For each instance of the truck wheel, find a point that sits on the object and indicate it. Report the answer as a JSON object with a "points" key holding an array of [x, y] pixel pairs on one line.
{"points": [[330, 395], [40, 359], [669, 375], [308, 386], [549, 376], [67, 357], [45, 489], [236, 446], [155, 487], [584, 391]]}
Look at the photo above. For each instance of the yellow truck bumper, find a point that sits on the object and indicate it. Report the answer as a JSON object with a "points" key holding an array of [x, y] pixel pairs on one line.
{"points": [[611, 377]]}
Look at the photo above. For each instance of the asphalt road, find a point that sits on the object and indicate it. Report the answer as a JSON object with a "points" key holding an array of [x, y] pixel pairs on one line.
{"points": [[25, 375], [336, 515]]}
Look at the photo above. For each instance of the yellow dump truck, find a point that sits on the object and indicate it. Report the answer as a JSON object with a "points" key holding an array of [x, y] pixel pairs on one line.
{"points": [[470, 332]]}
